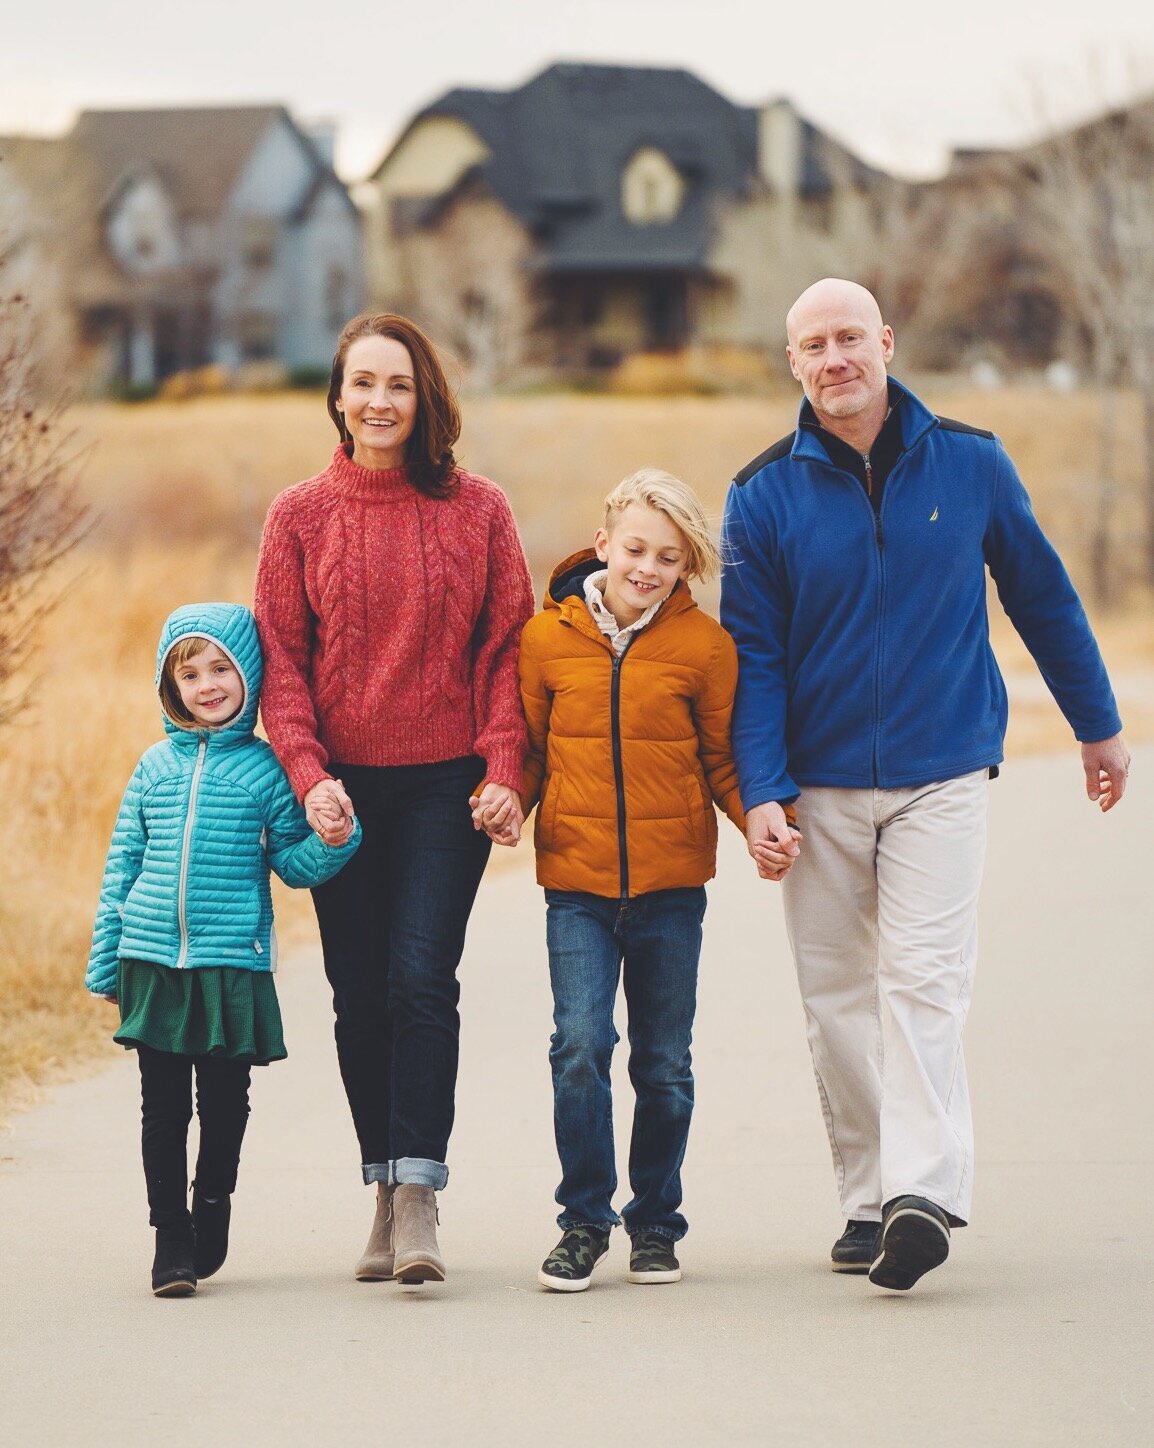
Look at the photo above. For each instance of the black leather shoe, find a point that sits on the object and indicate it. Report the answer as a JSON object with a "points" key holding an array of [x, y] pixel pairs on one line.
{"points": [[856, 1248], [210, 1220], [173, 1270], [915, 1240]]}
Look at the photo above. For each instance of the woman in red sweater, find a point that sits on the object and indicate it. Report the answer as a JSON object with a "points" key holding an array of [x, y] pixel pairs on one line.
{"points": [[391, 593]]}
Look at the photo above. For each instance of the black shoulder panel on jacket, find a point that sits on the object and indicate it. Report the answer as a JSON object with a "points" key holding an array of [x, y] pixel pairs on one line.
{"points": [[772, 454], [951, 426]]}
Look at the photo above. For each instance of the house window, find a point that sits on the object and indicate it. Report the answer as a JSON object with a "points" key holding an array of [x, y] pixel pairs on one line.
{"points": [[336, 307], [258, 242], [652, 188], [256, 333]]}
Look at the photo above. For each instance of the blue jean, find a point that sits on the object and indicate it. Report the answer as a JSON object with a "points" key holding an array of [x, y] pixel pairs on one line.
{"points": [[653, 942], [392, 926]]}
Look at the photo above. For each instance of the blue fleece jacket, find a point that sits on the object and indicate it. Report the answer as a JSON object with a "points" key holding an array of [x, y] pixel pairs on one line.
{"points": [[863, 639], [205, 814]]}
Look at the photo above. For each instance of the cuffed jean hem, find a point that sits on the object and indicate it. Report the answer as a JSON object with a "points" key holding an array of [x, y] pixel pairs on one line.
{"points": [[667, 1232], [413, 1171], [567, 1222]]}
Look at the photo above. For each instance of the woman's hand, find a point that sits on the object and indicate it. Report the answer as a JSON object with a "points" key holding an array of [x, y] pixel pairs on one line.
{"points": [[497, 811], [329, 811]]}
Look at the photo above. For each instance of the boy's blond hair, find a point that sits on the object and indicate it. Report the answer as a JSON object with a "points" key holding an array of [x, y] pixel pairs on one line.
{"points": [[180, 653], [653, 488]]}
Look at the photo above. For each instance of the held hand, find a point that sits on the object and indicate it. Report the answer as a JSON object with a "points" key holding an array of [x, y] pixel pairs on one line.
{"points": [[497, 811], [329, 811], [772, 843], [1107, 763]]}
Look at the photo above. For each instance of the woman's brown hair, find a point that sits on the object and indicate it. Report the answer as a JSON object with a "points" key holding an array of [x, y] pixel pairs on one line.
{"points": [[429, 450]]}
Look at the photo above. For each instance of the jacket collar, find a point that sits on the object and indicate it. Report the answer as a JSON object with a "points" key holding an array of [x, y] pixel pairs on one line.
{"points": [[566, 593], [916, 421]]}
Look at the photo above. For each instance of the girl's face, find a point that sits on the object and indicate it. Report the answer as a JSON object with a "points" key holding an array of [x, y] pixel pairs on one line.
{"points": [[378, 401], [210, 687], [646, 554]]}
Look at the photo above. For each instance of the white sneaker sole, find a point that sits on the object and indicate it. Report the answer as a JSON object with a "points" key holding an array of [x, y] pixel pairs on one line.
{"points": [[568, 1284], [645, 1278]]}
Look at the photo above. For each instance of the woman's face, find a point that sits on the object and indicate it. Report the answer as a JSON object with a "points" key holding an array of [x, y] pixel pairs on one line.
{"points": [[378, 401]]}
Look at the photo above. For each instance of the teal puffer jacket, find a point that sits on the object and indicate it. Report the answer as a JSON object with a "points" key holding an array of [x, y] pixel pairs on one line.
{"points": [[205, 814]]}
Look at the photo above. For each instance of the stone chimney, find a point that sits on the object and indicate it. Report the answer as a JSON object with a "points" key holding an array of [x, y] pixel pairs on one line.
{"points": [[779, 148]]}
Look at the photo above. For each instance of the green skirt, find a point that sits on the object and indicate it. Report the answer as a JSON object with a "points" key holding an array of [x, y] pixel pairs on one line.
{"points": [[210, 1011]]}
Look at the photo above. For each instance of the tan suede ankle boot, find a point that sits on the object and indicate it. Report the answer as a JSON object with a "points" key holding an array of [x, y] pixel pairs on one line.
{"points": [[418, 1258], [376, 1264]]}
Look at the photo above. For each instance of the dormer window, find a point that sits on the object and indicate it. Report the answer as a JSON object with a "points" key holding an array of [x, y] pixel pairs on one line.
{"points": [[652, 188]]}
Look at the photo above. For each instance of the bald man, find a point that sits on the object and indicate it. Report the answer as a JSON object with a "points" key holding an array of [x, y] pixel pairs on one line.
{"points": [[855, 587]]}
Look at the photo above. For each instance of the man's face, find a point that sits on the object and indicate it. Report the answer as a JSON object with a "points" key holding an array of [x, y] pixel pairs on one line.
{"points": [[838, 350]]}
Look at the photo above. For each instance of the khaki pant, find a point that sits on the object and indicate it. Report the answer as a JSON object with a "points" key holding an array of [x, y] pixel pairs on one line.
{"points": [[881, 910]]}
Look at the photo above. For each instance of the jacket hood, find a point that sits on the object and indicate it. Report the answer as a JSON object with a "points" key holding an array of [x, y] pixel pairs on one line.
{"points": [[566, 587], [568, 579], [232, 628]]}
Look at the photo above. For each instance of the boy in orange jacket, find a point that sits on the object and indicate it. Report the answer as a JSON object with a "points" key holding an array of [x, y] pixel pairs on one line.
{"points": [[628, 691]]}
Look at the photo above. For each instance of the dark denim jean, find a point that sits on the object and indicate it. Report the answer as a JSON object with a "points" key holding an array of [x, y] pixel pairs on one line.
{"points": [[653, 943], [392, 926], [166, 1110]]}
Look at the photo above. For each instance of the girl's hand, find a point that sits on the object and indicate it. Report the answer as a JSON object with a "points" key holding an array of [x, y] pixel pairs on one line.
{"points": [[329, 811], [497, 811]]}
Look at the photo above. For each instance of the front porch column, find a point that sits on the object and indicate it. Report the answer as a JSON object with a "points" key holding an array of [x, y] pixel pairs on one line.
{"points": [[142, 349]]}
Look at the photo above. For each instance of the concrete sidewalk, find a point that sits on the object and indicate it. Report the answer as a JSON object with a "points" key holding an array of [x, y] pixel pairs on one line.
{"points": [[1037, 1331]]}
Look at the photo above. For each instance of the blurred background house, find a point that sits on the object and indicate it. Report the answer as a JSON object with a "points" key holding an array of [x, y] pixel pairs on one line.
{"points": [[180, 238], [599, 211], [597, 218]]}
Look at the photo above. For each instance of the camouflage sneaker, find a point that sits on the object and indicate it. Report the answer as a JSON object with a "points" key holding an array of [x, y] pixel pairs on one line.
{"points": [[652, 1259], [569, 1267]]}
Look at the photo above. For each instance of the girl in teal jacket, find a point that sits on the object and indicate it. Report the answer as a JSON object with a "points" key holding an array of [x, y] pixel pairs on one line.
{"points": [[184, 937]]}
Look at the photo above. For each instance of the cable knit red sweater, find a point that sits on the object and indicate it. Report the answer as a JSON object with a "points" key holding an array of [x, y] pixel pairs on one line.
{"points": [[390, 623]]}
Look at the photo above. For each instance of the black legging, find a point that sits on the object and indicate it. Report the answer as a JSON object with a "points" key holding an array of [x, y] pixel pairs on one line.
{"points": [[166, 1110]]}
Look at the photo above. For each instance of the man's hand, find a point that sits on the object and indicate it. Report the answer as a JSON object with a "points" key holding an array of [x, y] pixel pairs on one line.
{"points": [[773, 844], [1107, 764]]}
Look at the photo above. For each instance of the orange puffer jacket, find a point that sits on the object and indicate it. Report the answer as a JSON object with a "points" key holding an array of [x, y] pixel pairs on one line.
{"points": [[626, 755]]}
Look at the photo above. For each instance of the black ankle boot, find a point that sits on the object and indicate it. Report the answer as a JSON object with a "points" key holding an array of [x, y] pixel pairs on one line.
{"points": [[173, 1267], [210, 1219]]}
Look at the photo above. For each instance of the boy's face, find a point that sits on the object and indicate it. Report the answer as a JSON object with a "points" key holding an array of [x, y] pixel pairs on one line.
{"points": [[646, 554], [210, 687]]}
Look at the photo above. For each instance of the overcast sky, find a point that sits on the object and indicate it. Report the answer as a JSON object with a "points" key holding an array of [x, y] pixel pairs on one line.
{"points": [[900, 80]]}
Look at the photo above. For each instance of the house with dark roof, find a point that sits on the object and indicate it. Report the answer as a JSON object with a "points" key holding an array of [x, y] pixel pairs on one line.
{"points": [[602, 210], [193, 236]]}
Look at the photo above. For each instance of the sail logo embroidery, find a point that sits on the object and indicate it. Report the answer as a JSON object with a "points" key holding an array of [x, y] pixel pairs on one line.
{"points": [[934, 516]]}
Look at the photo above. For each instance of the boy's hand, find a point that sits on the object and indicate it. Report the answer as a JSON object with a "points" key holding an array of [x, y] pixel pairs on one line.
{"points": [[497, 811], [772, 842]]}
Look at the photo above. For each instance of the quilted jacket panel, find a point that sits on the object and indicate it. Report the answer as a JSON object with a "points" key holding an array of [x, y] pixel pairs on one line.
{"points": [[205, 816]]}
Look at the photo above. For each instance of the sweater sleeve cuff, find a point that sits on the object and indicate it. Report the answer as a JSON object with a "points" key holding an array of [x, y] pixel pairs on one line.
{"points": [[302, 776], [505, 766]]}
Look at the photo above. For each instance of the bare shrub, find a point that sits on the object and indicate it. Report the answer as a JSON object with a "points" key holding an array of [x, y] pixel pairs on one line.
{"points": [[41, 517]]}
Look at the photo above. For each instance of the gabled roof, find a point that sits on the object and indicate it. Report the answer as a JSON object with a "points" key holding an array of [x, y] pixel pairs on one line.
{"points": [[560, 143], [197, 152], [558, 146]]}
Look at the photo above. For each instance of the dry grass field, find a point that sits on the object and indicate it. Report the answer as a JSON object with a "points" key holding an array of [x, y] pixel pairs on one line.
{"points": [[179, 490]]}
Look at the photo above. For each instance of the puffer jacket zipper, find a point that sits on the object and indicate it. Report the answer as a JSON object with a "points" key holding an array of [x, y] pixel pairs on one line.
{"points": [[182, 890], [618, 768]]}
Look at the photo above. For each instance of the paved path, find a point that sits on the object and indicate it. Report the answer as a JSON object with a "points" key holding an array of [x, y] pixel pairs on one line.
{"points": [[1037, 1331]]}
